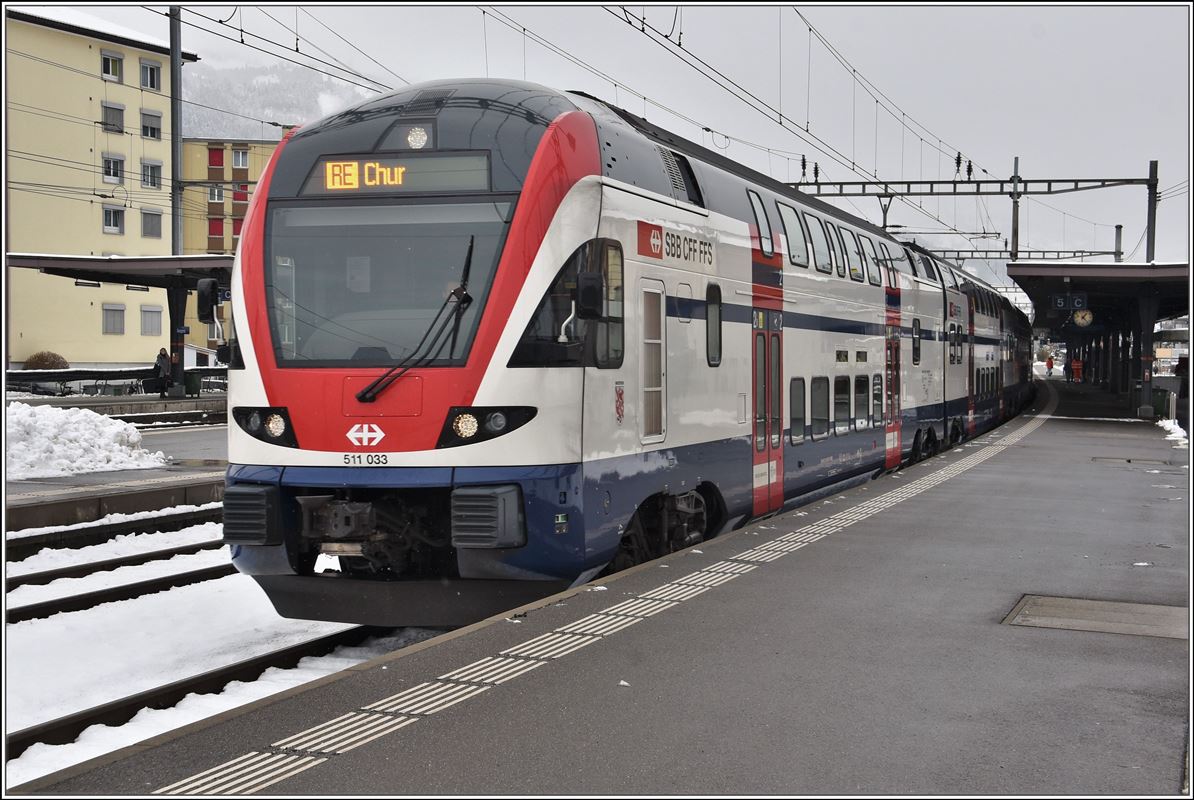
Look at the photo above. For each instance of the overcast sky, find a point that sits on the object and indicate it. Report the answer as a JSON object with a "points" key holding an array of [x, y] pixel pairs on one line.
{"points": [[1075, 92]]}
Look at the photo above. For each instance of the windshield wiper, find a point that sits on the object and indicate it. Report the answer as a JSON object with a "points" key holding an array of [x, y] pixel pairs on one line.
{"points": [[463, 299]]}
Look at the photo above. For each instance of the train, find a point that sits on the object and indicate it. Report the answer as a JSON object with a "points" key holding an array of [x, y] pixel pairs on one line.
{"points": [[494, 340]]}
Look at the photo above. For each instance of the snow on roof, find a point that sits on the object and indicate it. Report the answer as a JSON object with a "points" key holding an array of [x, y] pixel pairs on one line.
{"points": [[79, 18]]}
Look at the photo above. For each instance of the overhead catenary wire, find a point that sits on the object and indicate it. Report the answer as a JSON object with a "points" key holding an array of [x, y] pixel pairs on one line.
{"points": [[754, 101], [350, 44]]}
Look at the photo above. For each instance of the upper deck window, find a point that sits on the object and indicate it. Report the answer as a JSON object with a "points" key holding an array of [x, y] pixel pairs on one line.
{"points": [[762, 224], [794, 233], [820, 242]]}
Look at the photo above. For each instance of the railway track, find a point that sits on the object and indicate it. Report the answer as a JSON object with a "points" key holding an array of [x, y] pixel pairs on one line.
{"points": [[22, 548], [66, 729]]}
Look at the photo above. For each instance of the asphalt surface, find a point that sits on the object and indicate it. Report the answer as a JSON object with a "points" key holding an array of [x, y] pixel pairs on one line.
{"points": [[868, 657]]}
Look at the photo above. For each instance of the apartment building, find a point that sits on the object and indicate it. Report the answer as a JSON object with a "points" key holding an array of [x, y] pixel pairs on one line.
{"points": [[88, 170]]}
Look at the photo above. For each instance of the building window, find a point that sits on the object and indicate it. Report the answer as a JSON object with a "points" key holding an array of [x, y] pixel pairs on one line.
{"points": [[215, 226], [151, 175], [112, 66], [237, 223], [113, 118], [240, 159], [240, 193], [151, 224], [151, 75], [113, 220], [151, 320], [151, 125], [114, 319], [113, 169], [215, 156], [215, 194]]}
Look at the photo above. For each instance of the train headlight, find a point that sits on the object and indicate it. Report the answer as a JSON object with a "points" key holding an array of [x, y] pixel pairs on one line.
{"points": [[275, 426], [271, 424], [465, 426], [471, 425], [417, 138]]}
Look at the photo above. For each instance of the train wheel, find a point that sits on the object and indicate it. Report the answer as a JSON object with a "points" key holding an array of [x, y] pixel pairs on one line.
{"points": [[917, 452]]}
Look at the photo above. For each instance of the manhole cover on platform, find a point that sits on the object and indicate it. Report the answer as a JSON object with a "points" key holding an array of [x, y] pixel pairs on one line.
{"points": [[1149, 461], [1102, 616]]}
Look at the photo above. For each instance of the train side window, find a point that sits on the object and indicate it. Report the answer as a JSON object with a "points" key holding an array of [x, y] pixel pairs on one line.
{"points": [[950, 338], [609, 345], [949, 274], [860, 401], [554, 337], [796, 412], [911, 261], [873, 273], [816, 231], [877, 400], [762, 224], [890, 264], [777, 393], [841, 404], [839, 259], [819, 400], [654, 318], [713, 325], [794, 233], [926, 264], [916, 341], [855, 259]]}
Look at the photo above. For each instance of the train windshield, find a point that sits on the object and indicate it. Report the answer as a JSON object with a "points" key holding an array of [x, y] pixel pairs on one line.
{"points": [[360, 285]]}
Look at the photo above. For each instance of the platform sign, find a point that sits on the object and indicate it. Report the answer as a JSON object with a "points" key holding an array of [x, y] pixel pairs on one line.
{"points": [[1071, 301], [225, 295]]}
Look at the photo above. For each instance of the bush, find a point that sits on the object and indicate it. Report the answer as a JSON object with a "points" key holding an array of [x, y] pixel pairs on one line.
{"points": [[46, 359]]}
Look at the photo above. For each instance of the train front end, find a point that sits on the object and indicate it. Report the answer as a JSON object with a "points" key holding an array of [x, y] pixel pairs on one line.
{"points": [[386, 467]]}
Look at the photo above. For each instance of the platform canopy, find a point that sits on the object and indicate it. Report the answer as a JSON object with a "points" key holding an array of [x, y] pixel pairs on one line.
{"points": [[1111, 290], [165, 272]]}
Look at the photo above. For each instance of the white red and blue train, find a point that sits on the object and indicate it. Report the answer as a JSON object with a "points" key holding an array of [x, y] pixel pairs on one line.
{"points": [[495, 339]]}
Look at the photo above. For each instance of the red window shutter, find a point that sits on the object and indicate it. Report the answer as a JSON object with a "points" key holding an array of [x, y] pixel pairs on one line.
{"points": [[236, 225], [215, 226], [241, 193], [215, 157]]}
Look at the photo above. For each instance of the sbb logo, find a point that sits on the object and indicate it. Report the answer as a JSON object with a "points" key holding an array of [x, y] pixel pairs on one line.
{"points": [[650, 240]]}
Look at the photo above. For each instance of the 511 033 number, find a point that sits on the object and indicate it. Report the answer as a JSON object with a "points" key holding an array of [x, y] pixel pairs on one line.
{"points": [[366, 459]]}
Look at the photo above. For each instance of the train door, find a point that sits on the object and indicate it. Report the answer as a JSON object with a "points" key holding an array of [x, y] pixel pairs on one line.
{"points": [[768, 435], [971, 424], [893, 413], [653, 370]]}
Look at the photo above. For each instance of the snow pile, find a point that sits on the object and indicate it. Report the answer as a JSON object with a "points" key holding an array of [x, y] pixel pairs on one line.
{"points": [[1176, 434], [44, 441]]}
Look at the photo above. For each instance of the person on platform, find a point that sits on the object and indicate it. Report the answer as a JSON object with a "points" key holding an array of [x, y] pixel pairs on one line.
{"points": [[161, 371], [1049, 367], [1068, 369]]}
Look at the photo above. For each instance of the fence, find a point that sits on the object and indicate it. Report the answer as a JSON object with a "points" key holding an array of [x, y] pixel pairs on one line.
{"points": [[120, 381]]}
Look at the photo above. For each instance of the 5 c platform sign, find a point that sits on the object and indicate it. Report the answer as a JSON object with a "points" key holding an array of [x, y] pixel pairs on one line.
{"points": [[656, 242]]}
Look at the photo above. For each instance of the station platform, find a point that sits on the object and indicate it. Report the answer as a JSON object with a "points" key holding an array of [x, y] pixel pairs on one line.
{"points": [[859, 645]]}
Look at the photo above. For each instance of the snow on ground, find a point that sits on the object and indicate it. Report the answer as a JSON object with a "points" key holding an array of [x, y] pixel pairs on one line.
{"points": [[126, 545], [44, 441], [1176, 434], [121, 576], [110, 519], [43, 759]]}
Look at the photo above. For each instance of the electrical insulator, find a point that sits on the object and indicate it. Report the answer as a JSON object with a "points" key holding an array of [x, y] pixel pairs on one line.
{"points": [[958, 163], [803, 167], [816, 172], [969, 170]]}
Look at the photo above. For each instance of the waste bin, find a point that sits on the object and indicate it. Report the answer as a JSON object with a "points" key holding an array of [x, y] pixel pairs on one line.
{"points": [[192, 381]]}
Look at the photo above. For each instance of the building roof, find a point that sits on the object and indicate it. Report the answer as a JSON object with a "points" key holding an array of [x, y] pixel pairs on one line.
{"points": [[77, 21]]}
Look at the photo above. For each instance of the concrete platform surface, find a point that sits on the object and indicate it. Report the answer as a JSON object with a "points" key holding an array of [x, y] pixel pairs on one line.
{"points": [[856, 646]]}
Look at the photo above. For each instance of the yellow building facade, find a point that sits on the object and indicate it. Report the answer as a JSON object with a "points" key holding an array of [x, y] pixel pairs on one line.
{"points": [[88, 171], [219, 177]]}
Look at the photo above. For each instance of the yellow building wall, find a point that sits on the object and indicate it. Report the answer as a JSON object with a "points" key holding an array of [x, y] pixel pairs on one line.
{"points": [[197, 209], [56, 192]]}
